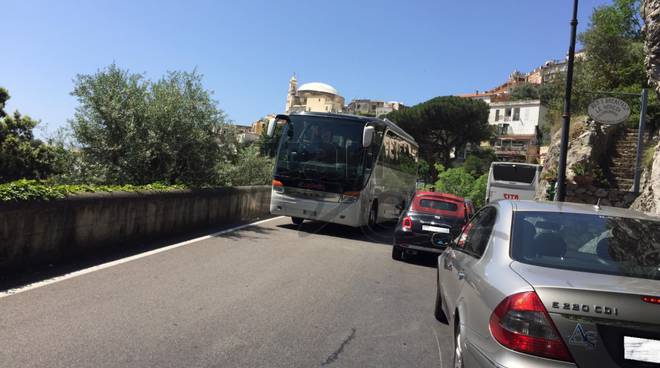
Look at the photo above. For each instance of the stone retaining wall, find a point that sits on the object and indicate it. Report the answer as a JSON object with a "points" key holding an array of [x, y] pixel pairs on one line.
{"points": [[591, 194]]}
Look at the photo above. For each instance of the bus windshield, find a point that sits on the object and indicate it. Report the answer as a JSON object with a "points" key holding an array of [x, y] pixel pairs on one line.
{"points": [[514, 173], [322, 150]]}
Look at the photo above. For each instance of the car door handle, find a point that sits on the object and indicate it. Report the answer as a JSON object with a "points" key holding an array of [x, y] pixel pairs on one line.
{"points": [[461, 275]]}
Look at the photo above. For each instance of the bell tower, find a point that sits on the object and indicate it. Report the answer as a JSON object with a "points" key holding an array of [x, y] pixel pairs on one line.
{"points": [[291, 96]]}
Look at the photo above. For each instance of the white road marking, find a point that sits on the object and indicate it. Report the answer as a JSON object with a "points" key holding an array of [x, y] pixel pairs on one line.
{"points": [[437, 341], [71, 275]]}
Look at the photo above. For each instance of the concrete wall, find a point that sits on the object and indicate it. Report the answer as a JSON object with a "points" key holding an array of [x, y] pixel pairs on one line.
{"points": [[48, 231]]}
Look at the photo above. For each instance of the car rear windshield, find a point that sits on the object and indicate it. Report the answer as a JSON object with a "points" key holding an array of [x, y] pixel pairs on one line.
{"points": [[438, 205], [514, 173], [588, 242]]}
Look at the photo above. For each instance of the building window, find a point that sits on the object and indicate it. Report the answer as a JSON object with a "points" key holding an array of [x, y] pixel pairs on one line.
{"points": [[497, 115], [507, 112], [504, 129], [516, 114]]}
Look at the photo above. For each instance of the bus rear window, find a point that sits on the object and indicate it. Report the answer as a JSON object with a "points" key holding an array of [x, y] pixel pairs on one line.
{"points": [[438, 205], [514, 173]]}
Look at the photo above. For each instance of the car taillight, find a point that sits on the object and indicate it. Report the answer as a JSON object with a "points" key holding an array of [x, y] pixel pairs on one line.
{"points": [[406, 224], [520, 322], [651, 299]]}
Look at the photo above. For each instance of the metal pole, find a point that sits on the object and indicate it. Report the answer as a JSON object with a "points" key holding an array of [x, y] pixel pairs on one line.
{"points": [[566, 122], [640, 141]]}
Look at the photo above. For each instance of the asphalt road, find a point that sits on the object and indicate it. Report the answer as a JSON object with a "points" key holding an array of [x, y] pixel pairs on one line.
{"points": [[270, 295]]}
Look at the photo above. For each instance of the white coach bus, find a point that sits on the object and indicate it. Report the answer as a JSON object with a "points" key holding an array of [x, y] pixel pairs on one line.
{"points": [[343, 169], [512, 180]]}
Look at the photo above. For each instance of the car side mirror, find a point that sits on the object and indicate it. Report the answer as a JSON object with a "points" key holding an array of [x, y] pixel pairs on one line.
{"points": [[367, 136]]}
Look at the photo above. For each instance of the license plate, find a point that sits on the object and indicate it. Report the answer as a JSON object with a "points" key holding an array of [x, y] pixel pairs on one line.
{"points": [[435, 229], [642, 350]]}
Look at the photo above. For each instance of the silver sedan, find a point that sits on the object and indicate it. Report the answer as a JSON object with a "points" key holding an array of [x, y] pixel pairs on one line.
{"points": [[540, 284]]}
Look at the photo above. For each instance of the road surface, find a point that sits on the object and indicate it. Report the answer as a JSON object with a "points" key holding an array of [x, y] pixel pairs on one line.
{"points": [[269, 295]]}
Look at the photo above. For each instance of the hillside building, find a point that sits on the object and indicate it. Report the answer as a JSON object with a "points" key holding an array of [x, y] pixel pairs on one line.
{"points": [[315, 96], [376, 108]]}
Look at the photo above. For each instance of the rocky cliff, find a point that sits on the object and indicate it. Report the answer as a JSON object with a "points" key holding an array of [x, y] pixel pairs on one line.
{"points": [[649, 200], [588, 142]]}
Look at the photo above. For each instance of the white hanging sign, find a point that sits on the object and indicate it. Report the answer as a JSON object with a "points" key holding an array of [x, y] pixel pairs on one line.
{"points": [[609, 110]]}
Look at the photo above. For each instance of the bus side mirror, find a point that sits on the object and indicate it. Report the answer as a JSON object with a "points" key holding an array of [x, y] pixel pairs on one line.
{"points": [[270, 131], [367, 136]]}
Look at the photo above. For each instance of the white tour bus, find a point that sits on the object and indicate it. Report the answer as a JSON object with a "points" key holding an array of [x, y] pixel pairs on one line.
{"points": [[512, 180], [344, 169]]}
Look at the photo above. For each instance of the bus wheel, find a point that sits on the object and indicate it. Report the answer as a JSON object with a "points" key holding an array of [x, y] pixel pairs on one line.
{"points": [[297, 220]]}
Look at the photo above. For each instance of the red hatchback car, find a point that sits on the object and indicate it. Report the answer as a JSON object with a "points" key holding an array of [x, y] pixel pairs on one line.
{"points": [[430, 213]]}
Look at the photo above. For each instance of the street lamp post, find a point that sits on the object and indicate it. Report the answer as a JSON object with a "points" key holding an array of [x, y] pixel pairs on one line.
{"points": [[566, 118]]}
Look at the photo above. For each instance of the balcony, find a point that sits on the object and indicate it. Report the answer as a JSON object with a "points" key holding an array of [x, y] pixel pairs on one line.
{"points": [[522, 148]]}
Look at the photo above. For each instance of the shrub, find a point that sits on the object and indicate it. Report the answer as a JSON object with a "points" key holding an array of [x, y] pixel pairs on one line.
{"points": [[458, 182], [580, 169], [31, 190], [647, 159], [455, 181], [250, 168], [478, 191]]}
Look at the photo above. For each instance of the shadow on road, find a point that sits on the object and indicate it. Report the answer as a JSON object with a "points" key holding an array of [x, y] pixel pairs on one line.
{"points": [[421, 259], [379, 234], [79, 261], [247, 233]]}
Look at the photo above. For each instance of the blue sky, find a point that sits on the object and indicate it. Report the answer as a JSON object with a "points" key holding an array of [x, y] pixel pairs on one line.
{"points": [[408, 51]]}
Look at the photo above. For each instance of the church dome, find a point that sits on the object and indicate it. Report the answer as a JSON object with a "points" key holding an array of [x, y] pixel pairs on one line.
{"points": [[318, 87]]}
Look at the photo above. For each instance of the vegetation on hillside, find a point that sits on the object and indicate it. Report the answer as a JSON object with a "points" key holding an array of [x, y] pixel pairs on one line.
{"points": [[444, 125], [30, 190], [468, 180], [612, 61], [128, 132], [21, 154], [139, 131]]}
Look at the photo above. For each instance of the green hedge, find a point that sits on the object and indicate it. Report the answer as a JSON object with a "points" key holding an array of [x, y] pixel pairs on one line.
{"points": [[31, 190]]}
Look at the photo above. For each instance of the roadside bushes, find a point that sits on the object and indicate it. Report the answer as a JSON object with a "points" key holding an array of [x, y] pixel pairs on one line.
{"points": [[27, 190], [127, 133], [250, 168], [139, 131], [459, 182], [469, 180]]}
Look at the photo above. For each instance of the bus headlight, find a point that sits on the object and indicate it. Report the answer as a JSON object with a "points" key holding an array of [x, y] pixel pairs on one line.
{"points": [[350, 197], [278, 187]]}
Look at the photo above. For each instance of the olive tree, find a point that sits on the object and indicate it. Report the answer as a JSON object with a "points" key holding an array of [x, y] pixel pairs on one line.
{"points": [[139, 131]]}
